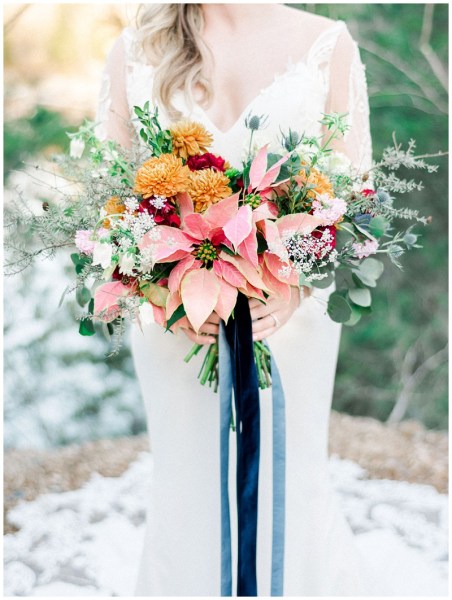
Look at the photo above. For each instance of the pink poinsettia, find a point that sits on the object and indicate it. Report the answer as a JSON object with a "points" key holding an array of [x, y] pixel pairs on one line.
{"points": [[208, 278], [278, 273], [106, 298]]}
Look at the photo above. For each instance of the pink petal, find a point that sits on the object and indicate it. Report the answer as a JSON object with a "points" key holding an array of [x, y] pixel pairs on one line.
{"points": [[276, 266], [258, 167], [229, 273], [299, 223], [172, 302], [106, 299], [266, 210], [185, 204], [199, 291], [217, 215], [240, 226], [248, 249], [252, 292], [196, 226], [165, 241], [276, 286], [226, 300], [272, 173], [252, 275], [273, 239], [178, 272]]}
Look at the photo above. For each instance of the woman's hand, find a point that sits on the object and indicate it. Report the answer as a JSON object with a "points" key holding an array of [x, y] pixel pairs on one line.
{"points": [[269, 317], [207, 331]]}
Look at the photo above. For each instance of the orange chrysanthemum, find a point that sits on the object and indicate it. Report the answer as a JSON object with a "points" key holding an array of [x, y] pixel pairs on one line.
{"points": [[113, 206], [190, 138], [163, 175], [207, 187], [321, 183]]}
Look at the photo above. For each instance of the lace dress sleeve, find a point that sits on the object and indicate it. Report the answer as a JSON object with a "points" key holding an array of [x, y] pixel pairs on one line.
{"points": [[348, 94], [113, 115]]}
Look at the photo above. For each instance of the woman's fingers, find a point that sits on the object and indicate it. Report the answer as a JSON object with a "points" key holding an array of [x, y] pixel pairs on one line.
{"points": [[199, 338], [263, 324], [265, 333], [210, 328]]}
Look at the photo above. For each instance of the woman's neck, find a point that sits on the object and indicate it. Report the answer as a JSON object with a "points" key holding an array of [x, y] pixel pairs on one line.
{"points": [[235, 16]]}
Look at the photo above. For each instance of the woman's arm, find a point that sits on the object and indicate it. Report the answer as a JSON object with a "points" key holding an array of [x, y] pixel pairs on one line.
{"points": [[348, 94], [113, 115]]}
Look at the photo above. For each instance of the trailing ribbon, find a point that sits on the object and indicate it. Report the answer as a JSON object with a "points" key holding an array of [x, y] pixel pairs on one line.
{"points": [[238, 370]]}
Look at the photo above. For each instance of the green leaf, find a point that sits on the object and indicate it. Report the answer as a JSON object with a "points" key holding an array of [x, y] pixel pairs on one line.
{"points": [[373, 267], [338, 308], [325, 282], [83, 296], [86, 327], [378, 226], [177, 314], [369, 271], [360, 296], [155, 293], [75, 258], [355, 316]]}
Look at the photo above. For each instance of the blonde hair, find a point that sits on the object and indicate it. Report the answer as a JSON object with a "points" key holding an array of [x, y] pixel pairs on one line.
{"points": [[170, 35]]}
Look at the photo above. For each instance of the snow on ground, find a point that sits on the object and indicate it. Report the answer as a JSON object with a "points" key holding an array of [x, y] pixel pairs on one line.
{"points": [[88, 542]]}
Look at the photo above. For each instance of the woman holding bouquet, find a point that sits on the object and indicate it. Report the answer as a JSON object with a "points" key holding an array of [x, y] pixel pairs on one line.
{"points": [[216, 64]]}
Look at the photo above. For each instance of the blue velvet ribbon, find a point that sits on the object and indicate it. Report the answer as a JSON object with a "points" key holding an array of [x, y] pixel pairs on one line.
{"points": [[238, 371]]}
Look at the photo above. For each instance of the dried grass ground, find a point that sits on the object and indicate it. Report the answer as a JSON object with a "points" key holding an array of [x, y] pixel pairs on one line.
{"points": [[405, 452]]}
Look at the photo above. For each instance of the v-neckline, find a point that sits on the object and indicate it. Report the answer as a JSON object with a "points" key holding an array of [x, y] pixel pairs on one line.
{"points": [[291, 67], [277, 77]]}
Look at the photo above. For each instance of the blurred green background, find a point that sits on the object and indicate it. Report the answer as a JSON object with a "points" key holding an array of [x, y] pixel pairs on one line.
{"points": [[392, 365]]}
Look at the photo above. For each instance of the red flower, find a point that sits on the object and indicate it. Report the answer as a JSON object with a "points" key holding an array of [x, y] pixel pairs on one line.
{"points": [[368, 192], [317, 233], [206, 161], [162, 216]]}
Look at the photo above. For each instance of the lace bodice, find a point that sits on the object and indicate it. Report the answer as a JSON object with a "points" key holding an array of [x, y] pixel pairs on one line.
{"points": [[330, 77]]}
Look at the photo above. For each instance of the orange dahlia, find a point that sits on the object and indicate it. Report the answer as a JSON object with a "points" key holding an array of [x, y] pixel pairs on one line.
{"points": [[113, 206], [207, 187], [163, 175], [321, 183], [190, 138]]}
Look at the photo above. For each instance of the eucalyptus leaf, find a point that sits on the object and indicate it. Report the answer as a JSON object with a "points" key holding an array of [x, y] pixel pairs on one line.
{"points": [[373, 267], [338, 308], [83, 296], [355, 316], [325, 282], [360, 296], [86, 327]]}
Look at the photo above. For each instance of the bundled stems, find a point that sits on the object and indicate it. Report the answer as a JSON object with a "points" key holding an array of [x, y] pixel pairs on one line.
{"points": [[209, 371]]}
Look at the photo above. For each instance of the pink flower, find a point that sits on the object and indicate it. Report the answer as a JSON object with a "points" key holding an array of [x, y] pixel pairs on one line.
{"points": [[366, 249], [330, 210], [84, 242]]}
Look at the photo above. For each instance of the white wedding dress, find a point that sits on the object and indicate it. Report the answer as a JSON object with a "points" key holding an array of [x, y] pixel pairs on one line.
{"points": [[181, 555]]}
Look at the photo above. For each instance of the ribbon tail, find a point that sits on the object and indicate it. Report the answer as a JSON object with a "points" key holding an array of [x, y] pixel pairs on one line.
{"points": [[225, 419], [279, 481], [246, 397]]}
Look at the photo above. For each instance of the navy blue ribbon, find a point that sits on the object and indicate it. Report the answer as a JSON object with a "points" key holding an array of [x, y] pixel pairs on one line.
{"points": [[238, 370], [247, 410]]}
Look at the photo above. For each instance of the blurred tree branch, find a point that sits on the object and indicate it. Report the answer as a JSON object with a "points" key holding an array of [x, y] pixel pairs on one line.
{"points": [[427, 91], [430, 55], [411, 377]]}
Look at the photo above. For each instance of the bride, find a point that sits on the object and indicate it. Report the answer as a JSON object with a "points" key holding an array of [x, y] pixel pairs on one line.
{"points": [[216, 64]]}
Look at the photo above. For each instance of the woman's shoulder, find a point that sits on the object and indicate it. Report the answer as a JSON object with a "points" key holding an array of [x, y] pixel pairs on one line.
{"points": [[317, 26], [128, 45]]}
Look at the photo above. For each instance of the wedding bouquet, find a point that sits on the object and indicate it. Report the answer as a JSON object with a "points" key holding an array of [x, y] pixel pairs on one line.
{"points": [[169, 232]]}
